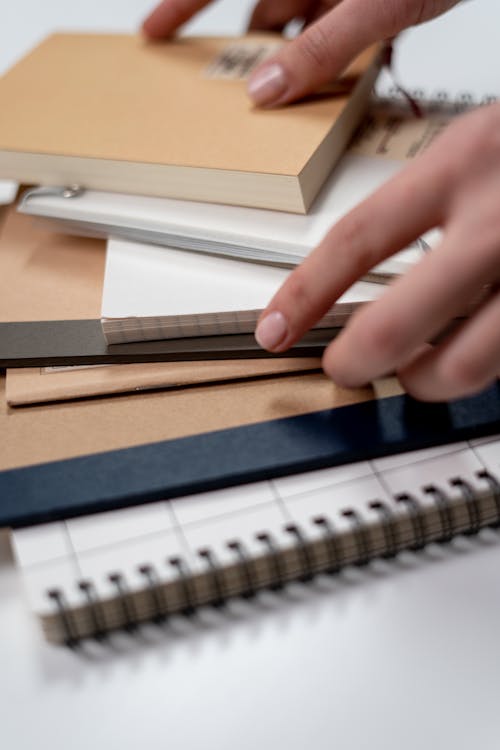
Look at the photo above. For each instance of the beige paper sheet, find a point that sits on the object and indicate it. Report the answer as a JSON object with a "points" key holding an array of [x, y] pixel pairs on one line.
{"points": [[49, 432], [33, 385]]}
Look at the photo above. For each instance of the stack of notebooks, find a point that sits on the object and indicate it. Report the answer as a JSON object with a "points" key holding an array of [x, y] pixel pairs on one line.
{"points": [[158, 124], [167, 212]]}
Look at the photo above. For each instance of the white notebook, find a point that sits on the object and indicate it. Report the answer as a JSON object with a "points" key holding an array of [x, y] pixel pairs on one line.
{"points": [[253, 234], [152, 292], [116, 569]]}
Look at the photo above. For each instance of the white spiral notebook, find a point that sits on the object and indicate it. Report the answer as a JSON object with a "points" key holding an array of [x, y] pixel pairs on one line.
{"points": [[117, 569]]}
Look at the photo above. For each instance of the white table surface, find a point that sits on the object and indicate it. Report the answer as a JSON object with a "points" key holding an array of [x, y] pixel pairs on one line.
{"points": [[402, 655]]}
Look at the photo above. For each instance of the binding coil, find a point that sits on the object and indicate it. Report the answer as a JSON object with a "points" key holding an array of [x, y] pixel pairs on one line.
{"points": [[95, 609], [249, 582], [159, 603], [389, 528], [71, 637], [182, 568], [332, 544], [275, 561], [438, 101], [125, 600], [444, 510], [361, 536], [312, 555], [217, 576], [303, 551], [471, 504]]}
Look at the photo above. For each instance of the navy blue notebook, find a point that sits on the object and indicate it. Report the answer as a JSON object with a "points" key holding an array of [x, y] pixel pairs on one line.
{"points": [[173, 468]]}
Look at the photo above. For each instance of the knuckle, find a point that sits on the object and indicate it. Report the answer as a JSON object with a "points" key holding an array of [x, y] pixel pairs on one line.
{"points": [[298, 293], [352, 241], [463, 374], [383, 339], [316, 47], [477, 135]]}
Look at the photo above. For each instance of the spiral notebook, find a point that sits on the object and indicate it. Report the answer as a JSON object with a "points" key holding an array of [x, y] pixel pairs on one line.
{"points": [[111, 570]]}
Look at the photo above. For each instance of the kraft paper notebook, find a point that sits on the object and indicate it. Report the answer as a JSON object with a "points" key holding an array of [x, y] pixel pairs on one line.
{"points": [[114, 112]]}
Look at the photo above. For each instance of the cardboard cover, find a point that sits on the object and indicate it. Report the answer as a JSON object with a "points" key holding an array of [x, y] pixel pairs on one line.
{"points": [[50, 432], [33, 385], [159, 118]]}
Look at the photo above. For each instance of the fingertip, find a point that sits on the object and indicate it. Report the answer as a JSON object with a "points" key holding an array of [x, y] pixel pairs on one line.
{"points": [[267, 85], [161, 22], [151, 30], [272, 331], [337, 369]]}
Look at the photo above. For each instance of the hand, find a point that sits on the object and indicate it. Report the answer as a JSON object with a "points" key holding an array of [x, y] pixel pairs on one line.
{"points": [[455, 184], [338, 31]]}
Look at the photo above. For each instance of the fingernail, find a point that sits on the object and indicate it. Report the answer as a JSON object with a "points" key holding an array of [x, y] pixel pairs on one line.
{"points": [[267, 84], [271, 330]]}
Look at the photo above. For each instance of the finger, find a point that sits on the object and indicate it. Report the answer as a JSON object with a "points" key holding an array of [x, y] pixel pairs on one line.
{"points": [[327, 46], [462, 365], [391, 218], [317, 10], [415, 309], [273, 15], [169, 15]]}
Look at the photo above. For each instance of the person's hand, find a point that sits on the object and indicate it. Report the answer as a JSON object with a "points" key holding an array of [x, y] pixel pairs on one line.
{"points": [[455, 185], [337, 30]]}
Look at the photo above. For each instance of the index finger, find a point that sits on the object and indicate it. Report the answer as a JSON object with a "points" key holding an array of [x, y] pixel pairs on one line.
{"points": [[325, 48], [169, 15], [391, 218]]}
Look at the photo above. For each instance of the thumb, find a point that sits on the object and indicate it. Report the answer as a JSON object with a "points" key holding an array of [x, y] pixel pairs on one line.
{"points": [[321, 52]]}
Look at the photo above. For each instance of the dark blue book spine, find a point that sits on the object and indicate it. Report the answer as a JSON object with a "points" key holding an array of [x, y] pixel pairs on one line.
{"points": [[173, 468]]}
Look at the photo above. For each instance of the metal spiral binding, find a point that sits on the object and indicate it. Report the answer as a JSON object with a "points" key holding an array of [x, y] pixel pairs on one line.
{"points": [[158, 601], [361, 536], [71, 637], [95, 609], [438, 101], [494, 486], [303, 551], [307, 564], [332, 543], [276, 564], [416, 519], [471, 503], [217, 576], [182, 568], [445, 512], [389, 528], [126, 602], [249, 581]]}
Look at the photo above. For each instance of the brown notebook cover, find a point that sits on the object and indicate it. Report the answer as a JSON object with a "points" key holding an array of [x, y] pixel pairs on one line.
{"points": [[115, 112], [33, 385]]}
